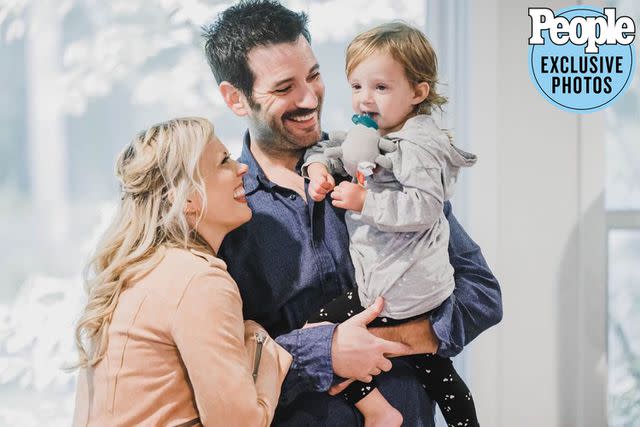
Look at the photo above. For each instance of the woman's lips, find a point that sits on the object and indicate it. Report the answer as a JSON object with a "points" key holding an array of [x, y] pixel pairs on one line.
{"points": [[239, 194]]}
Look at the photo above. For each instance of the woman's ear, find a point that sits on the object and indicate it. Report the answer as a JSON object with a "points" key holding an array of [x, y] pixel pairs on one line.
{"points": [[420, 93], [234, 99], [191, 210], [191, 205]]}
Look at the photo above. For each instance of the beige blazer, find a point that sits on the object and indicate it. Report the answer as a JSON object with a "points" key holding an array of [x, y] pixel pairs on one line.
{"points": [[179, 353]]}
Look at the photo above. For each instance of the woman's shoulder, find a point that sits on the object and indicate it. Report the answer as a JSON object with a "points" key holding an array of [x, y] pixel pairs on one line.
{"points": [[204, 282], [179, 268], [191, 260]]}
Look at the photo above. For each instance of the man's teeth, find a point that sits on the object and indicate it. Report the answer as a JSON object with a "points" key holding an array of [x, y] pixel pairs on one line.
{"points": [[303, 118]]}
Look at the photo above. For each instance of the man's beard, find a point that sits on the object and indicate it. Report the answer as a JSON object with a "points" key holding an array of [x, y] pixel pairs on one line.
{"points": [[272, 135]]}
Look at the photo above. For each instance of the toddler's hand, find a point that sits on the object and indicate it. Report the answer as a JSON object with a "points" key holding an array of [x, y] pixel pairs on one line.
{"points": [[321, 181], [350, 196]]}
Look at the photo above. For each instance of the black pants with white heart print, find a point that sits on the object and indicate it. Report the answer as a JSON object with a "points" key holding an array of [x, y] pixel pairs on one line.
{"points": [[437, 374]]}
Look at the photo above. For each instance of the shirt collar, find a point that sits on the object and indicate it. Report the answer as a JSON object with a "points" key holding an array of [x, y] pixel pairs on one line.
{"points": [[255, 175]]}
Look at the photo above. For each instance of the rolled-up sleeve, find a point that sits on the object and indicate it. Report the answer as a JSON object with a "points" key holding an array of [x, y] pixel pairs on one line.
{"points": [[476, 302], [312, 366]]}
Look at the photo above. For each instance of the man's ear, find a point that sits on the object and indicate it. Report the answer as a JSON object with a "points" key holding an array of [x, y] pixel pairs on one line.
{"points": [[420, 93], [234, 99]]}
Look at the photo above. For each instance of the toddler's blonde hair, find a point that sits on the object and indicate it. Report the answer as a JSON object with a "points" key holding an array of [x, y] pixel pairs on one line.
{"points": [[409, 47]]}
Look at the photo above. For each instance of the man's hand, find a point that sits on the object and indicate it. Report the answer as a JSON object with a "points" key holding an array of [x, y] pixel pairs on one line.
{"points": [[338, 388], [416, 334], [348, 195], [358, 354], [320, 181]]}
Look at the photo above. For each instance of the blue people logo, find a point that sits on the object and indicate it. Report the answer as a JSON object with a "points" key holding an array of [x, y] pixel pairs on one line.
{"points": [[581, 58]]}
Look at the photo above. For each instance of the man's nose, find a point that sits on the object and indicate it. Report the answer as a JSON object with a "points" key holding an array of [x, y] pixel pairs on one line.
{"points": [[307, 97]]}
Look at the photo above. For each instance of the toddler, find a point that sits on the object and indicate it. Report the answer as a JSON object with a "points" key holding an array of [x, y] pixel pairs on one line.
{"points": [[398, 233]]}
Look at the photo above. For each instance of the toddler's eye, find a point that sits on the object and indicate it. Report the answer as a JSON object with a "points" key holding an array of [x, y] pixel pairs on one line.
{"points": [[381, 87], [356, 86]]}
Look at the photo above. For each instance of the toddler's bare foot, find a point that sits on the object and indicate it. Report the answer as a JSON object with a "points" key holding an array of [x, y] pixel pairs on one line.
{"points": [[391, 418], [378, 412]]}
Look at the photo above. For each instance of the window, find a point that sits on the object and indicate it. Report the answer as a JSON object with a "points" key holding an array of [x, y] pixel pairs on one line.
{"points": [[623, 219], [81, 78]]}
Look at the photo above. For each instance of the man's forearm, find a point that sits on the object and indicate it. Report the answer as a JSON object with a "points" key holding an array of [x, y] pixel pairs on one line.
{"points": [[311, 369], [417, 334]]}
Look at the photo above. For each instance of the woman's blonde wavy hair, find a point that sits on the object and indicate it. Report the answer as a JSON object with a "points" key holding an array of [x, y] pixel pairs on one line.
{"points": [[157, 171], [410, 48]]}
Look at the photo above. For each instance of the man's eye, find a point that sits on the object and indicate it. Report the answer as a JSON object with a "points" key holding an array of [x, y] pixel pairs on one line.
{"points": [[314, 76], [283, 90]]}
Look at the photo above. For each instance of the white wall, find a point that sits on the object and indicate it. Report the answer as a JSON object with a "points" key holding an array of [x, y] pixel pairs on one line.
{"points": [[536, 208]]}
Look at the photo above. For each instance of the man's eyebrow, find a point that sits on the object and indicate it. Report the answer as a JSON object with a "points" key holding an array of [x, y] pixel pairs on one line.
{"points": [[313, 69], [283, 81]]}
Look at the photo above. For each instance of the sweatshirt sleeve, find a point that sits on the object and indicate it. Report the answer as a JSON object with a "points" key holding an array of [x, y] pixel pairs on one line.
{"points": [[316, 154], [418, 204], [209, 332]]}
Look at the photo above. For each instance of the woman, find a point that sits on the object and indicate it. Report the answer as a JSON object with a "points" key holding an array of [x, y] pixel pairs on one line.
{"points": [[162, 340]]}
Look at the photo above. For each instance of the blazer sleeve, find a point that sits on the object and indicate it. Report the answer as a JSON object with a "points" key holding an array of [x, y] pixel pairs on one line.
{"points": [[209, 332], [81, 412]]}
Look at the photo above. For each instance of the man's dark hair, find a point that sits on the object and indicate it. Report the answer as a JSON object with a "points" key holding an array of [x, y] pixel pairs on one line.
{"points": [[242, 27]]}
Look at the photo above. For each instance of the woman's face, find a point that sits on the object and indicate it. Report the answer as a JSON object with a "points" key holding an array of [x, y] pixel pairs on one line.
{"points": [[226, 207]]}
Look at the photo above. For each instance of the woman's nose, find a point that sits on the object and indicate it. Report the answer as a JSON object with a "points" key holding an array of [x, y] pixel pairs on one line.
{"points": [[242, 169]]}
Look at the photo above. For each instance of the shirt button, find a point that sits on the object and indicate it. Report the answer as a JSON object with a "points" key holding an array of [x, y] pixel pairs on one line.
{"points": [[292, 196]]}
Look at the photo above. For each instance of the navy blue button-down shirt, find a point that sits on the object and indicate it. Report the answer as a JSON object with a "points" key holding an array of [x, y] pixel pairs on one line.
{"points": [[292, 257]]}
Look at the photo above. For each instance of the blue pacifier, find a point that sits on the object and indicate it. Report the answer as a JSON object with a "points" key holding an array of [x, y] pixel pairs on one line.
{"points": [[364, 120]]}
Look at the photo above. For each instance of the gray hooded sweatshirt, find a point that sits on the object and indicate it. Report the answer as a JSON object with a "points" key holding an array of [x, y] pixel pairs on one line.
{"points": [[399, 242]]}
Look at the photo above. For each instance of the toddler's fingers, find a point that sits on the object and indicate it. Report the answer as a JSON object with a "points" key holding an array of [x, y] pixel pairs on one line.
{"points": [[327, 185], [331, 181], [317, 197], [316, 192], [338, 204]]}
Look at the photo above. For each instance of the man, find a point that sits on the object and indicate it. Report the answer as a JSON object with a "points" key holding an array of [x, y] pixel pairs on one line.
{"points": [[293, 256]]}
